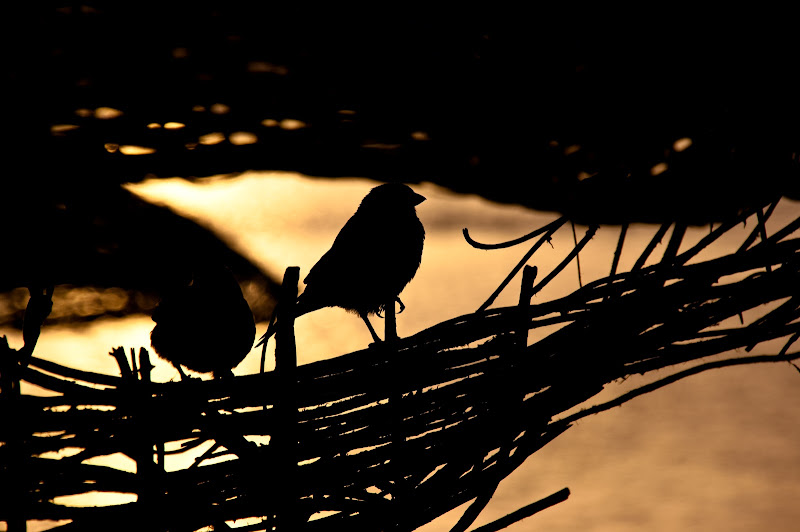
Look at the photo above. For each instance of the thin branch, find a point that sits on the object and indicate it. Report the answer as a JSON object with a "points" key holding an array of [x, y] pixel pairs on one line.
{"points": [[549, 228], [618, 252], [647, 388], [762, 230], [553, 227], [270, 328], [475, 509], [210, 453], [650, 247], [577, 255], [525, 511], [789, 343], [780, 234], [678, 232], [756, 231], [77, 374], [585, 240], [707, 240]]}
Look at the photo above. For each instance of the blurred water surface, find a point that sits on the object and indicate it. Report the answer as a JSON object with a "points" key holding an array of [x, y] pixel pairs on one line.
{"points": [[718, 451]]}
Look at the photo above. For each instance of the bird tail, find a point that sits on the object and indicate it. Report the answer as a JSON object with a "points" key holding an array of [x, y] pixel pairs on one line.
{"points": [[264, 339], [270, 330], [301, 307]]}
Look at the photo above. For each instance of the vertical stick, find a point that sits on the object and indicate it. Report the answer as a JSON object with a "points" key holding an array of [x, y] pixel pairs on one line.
{"points": [[285, 346], [285, 437], [12, 489], [13, 363], [275, 312], [146, 367], [134, 365], [525, 294], [390, 331], [150, 492], [394, 376]]}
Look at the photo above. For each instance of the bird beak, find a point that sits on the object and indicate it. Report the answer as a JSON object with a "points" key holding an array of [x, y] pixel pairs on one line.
{"points": [[417, 198]]}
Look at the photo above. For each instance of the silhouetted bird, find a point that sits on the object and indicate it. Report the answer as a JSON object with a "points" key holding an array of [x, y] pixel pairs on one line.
{"points": [[374, 256], [205, 325]]}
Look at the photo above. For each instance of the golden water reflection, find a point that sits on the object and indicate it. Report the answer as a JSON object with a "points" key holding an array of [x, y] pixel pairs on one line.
{"points": [[718, 451]]}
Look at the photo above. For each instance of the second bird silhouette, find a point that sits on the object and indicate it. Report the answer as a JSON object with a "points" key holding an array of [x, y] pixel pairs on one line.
{"points": [[205, 325], [374, 256]]}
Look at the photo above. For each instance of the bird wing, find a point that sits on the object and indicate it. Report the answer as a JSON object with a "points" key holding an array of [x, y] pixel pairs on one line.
{"points": [[347, 253]]}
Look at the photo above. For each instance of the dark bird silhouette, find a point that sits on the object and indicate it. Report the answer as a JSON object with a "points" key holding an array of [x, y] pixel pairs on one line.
{"points": [[374, 256], [205, 325]]}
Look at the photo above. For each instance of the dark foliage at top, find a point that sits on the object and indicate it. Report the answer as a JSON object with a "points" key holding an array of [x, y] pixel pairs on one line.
{"points": [[651, 116], [536, 103]]}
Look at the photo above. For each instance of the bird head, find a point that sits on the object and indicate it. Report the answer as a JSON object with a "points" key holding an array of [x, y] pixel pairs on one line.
{"points": [[391, 196]]}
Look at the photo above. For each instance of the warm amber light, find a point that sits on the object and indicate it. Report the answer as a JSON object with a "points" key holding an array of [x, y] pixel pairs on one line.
{"points": [[240, 138], [60, 129], [81, 301], [266, 67], [153, 125], [660, 168], [95, 498], [174, 125], [129, 149], [269, 122], [682, 144], [291, 124], [220, 109], [106, 113], [212, 138]]}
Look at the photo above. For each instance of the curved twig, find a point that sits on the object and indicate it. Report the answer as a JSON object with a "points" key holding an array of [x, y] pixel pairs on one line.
{"points": [[551, 227]]}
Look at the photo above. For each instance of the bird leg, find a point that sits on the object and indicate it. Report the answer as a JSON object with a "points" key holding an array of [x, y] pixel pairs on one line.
{"points": [[382, 309], [369, 326]]}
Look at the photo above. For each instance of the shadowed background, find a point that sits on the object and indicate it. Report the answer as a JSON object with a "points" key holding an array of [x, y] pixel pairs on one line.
{"points": [[659, 116]]}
